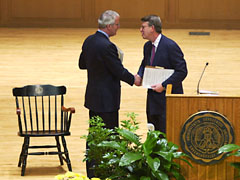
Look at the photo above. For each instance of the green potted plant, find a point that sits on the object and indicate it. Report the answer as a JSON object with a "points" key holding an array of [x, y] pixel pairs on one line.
{"points": [[235, 149], [120, 153]]}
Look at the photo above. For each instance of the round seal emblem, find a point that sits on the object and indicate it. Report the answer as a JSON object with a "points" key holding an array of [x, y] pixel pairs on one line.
{"points": [[38, 90], [203, 134]]}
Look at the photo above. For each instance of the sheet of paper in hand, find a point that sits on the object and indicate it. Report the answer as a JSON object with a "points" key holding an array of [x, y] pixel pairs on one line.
{"points": [[155, 75], [120, 54]]}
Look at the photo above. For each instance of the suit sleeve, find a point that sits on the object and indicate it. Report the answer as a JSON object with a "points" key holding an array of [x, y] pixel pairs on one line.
{"points": [[115, 66], [178, 63], [82, 60], [141, 69], [144, 62]]}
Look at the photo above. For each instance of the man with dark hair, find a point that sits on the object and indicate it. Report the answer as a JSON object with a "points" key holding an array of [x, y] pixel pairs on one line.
{"points": [[164, 52], [105, 71]]}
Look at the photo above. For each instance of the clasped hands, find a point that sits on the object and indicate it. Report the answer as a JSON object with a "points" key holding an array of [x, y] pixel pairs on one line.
{"points": [[138, 80], [157, 87]]}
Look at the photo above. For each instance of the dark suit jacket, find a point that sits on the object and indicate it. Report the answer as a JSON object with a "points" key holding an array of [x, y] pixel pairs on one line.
{"points": [[169, 56], [104, 70]]}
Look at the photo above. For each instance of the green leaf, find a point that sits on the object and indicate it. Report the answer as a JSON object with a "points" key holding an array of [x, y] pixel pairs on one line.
{"points": [[130, 124], [153, 163], [163, 145], [150, 142], [237, 153], [161, 175], [173, 147], [228, 148], [129, 158], [178, 154], [130, 136], [166, 155], [145, 178], [177, 175], [186, 161], [113, 161], [113, 144]]}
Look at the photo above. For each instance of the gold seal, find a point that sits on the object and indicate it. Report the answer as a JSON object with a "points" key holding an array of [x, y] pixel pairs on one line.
{"points": [[203, 134]]}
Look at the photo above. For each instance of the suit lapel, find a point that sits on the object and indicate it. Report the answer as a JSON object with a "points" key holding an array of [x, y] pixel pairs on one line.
{"points": [[157, 59]]}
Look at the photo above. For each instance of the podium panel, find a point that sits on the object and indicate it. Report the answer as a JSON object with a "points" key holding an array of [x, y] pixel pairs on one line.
{"points": [[180, 108]]}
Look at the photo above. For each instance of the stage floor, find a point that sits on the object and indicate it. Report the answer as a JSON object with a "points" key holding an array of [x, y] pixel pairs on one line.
{"points": [[50, 56]]}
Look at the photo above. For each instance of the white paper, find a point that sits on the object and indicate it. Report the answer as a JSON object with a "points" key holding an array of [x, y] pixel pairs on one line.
{"points": [[208, 92], [120, 54], [153, 76]]}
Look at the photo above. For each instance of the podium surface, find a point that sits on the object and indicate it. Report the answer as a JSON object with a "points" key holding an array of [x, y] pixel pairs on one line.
{"points": [[180, 108]]}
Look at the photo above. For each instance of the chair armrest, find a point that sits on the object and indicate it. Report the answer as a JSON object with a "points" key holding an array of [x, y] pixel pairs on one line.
{"points": [[71, 109], [18, 111]]}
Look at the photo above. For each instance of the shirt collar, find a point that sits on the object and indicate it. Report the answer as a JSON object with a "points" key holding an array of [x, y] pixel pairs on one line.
{"points": [[156, 42], [103, 33]]}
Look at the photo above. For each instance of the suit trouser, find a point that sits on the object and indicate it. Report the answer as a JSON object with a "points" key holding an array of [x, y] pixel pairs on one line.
{"points": [[111, 121], [159, 119]]}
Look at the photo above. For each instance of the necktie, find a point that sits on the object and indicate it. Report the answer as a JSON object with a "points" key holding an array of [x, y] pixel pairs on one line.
{"points": [[152, 54]]}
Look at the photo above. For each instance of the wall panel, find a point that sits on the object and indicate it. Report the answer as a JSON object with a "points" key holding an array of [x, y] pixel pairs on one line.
{"points": [[46, 8], [45, 13], [0, 12], [208, 14], [205, 14], [132, 11], [209, 9]]}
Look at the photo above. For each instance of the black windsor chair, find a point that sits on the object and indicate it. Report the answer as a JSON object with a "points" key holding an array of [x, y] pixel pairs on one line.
{"points": [[41, 113]]}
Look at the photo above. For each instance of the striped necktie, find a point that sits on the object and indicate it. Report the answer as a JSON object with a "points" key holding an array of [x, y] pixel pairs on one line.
{"points": [[152, 55]]}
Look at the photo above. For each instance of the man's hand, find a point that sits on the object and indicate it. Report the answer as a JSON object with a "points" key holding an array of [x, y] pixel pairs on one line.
{"points": [[158, 88], [138, 80]]}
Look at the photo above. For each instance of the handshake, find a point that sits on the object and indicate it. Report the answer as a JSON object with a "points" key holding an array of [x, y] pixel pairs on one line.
{"points": [[157, 87], [138, 80]]}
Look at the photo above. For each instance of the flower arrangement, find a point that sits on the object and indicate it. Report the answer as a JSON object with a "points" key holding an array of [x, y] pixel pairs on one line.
{"points": [[74, 176]]}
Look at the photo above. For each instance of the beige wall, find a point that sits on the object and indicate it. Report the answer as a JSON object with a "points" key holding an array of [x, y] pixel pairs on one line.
{"points": [[206, 14]]}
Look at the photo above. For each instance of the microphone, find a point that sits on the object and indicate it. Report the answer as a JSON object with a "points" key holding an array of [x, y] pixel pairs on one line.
{"points": [[198, 92]]}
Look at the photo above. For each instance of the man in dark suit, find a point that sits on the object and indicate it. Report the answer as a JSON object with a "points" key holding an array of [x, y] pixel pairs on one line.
{"points": [[164, 52], [105, 71]]}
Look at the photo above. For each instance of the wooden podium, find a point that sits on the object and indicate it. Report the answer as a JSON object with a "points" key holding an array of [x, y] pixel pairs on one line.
{"points": [[180, 107]]}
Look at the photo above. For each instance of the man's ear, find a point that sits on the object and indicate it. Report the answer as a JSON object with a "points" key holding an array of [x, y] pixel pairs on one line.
{"points": [[108, 26], [153, 28]]}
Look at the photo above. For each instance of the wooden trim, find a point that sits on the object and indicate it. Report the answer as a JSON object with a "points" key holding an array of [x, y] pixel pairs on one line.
{"points": [[172, 13]]}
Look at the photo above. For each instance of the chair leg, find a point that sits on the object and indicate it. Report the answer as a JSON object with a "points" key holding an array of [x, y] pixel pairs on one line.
{"points": [[21, 154], [59, 150], [25, 154], [66, 153]]}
